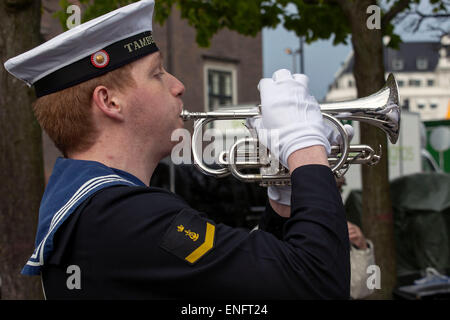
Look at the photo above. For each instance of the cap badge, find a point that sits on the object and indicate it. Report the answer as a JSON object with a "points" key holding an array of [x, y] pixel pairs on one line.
{"points": [[100, 59]]}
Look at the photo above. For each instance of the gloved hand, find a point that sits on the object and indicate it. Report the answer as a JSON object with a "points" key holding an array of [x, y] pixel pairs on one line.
{"points": [[290, 92], [289, 112], [333, 136], [282, 194]]}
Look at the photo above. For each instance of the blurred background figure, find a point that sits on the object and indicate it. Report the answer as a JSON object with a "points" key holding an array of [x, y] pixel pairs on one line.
{"points": [[361, 256]]}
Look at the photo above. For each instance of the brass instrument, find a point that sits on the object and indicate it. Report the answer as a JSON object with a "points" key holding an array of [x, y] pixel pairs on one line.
{"points": [[380, 109]]}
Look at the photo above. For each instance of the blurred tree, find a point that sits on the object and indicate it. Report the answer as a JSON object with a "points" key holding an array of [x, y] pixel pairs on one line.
{"points": [[22, 174]]}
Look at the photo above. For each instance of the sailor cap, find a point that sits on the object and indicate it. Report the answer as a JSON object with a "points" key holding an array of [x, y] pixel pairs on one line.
{"points": [[88, 50]]}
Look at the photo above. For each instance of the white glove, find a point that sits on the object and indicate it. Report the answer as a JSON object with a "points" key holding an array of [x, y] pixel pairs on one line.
{"points": [[289, 111], [332, 134], [334, 137], [282, 194]]}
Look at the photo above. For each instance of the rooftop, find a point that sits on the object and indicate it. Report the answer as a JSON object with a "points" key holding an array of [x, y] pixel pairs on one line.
{"points": [[410, 57]]}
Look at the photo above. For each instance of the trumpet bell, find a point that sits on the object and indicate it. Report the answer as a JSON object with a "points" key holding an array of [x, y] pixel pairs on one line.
{"points": [[381, 109]]}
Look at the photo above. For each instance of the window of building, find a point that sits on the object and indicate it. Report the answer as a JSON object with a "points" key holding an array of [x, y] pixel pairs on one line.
{"points": [[400, 83], [433, 105], [406, 104], [421, 106], [421, 63], [414, 83], [430, 82], [350, 83], [220, 85], [219, 88], [397, 64]]}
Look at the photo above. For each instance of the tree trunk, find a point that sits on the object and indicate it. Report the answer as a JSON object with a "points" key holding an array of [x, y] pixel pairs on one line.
{"points": [[377, 218], [22, 174]]}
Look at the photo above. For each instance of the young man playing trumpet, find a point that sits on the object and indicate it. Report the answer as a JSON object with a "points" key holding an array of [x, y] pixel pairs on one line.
{"points": [[109, 105]]}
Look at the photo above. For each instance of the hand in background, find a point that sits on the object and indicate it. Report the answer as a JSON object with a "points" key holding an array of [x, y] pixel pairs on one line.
{"points": [[356, 236]]}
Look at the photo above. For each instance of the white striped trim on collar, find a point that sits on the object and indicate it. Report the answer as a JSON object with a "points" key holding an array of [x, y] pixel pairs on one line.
{"points": [[58, 217]]}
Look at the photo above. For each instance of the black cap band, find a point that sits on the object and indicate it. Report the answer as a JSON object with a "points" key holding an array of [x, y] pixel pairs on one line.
{"points": [[99, 63]]}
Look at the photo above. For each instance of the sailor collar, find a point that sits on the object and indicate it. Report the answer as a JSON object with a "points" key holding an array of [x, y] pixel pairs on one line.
{"points": [[71, 183]]}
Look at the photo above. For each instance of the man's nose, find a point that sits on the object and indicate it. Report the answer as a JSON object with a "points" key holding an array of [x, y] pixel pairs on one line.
{"points": [[177, 87]]}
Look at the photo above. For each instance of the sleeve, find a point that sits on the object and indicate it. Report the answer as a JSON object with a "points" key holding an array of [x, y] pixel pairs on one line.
{"points": [[272, 222], [156, 246], [359, 261]]}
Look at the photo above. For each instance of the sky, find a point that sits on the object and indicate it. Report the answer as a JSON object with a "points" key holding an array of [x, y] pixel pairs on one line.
{"points": [[321, 59]]}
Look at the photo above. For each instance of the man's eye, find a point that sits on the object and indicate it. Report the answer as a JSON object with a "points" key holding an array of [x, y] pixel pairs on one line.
{"points": [[159, 74]]}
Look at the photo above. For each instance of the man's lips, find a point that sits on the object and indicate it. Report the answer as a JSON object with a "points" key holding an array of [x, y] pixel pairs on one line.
{"points": [[181, 111]]}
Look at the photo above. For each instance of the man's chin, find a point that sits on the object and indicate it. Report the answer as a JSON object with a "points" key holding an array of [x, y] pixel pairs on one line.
{"points": [[180, 124]]}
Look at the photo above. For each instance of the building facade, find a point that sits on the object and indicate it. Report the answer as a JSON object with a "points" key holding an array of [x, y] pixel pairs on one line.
{"points": [[422, 71]]}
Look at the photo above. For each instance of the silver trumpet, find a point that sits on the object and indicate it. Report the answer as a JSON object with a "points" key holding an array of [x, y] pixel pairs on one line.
{"points": [[380, 109]]}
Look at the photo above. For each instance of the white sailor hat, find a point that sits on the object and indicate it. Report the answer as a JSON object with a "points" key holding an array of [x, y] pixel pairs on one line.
{"points": [[88, 50]]}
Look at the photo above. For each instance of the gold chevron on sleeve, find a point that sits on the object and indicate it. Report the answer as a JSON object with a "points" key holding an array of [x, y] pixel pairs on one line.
{"points": [[205, 246]]}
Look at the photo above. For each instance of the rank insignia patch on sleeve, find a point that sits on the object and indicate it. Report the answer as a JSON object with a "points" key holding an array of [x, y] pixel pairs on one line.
{"points": [[189, 236]]}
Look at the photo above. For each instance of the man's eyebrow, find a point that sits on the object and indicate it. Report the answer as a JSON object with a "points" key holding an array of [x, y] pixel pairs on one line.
{"points": [[160, 60], [156, 63]]}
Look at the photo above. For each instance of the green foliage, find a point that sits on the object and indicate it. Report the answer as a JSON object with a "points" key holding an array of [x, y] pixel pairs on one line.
{"points": [[246, 17], [62, 15], [395, 39], [317, 20], [313, 19]]}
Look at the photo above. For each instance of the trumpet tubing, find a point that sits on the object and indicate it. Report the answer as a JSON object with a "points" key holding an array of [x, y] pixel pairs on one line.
{"points": [[380, 109]]}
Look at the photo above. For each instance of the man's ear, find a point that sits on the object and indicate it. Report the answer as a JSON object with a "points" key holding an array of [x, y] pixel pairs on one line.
{"points": [[107, 101]]}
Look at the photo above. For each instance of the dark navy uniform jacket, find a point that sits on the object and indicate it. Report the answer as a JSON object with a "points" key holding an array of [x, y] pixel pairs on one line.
{"points": [[138, 242]]}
